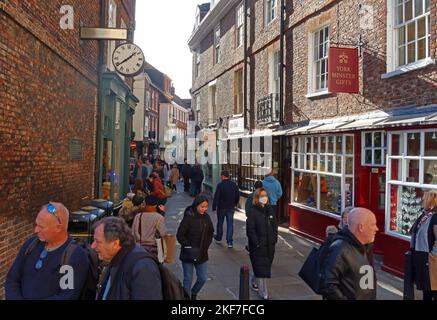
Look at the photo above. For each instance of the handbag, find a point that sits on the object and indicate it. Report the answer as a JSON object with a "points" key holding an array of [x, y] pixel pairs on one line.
{"points": [[432, 265], [310, 271], [169, 241], [191, 254]]}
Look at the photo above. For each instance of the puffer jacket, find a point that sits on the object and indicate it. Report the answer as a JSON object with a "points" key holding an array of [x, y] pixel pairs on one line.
{"points": [[190, 232], [346, 270]]}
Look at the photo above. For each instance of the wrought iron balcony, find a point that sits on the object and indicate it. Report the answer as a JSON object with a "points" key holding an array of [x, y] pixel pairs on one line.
{"points": [[268, 109]]}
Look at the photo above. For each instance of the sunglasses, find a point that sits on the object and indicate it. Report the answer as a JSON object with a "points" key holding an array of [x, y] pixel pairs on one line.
{"points": [[52, 209], [42, 256]]}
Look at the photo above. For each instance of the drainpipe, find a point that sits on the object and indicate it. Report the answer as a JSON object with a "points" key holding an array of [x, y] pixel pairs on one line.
{"points": [[281, 62], [100, 70], [246, 124]]}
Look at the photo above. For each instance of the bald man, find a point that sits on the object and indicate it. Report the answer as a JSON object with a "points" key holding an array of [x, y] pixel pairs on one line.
{"points": [[37, 272], [347, 273]]}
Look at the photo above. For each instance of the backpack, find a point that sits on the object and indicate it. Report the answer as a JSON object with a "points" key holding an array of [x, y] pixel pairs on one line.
{"points": [[311, 271], [88, 291], [172, 288]]}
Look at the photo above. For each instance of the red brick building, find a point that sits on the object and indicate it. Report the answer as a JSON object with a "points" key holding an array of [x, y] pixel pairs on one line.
{"points": [[49, 86]]}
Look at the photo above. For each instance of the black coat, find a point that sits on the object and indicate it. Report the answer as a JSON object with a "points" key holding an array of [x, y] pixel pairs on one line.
{"points": [[341, 269], [190, 231], [197, 175], [226, 196], [186, 170], [421, 257], [262, 231], [134, 276]]}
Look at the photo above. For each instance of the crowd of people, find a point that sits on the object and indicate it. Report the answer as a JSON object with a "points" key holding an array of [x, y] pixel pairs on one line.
{"points": [[127, 248]]}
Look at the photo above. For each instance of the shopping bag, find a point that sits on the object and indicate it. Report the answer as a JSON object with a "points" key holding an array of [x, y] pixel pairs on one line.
{"points": [[170, 247], [160, 246], [432, 264], [168, 191]]}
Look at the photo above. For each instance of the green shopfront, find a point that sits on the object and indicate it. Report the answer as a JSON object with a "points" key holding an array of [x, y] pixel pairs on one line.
{"points": [[118, 107]]}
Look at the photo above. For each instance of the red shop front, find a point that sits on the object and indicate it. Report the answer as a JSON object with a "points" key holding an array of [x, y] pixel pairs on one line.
{"points": [[385, 166]]}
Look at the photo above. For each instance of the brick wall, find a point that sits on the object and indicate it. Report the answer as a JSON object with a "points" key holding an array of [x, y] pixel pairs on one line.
{"points": [[413, 88]]}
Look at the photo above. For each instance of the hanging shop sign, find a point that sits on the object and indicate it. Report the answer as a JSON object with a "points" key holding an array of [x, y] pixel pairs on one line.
{"points": [[343, 70]]}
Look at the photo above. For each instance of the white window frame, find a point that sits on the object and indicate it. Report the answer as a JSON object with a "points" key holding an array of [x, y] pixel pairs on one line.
{"points": [[271, 8], [239, 25], [238, 91], [393, 67], [112, 23], [217, 39], [312, 72], [403, 158], [274, 69], [212, 106], [316, 157], [383, 148]]}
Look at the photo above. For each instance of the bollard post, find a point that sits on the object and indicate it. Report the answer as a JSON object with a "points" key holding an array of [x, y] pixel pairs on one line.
{"points": [[244, 283]]}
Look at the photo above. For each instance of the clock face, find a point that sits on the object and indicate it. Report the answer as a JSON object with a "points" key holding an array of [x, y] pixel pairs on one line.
{"points": [[128, 59]]}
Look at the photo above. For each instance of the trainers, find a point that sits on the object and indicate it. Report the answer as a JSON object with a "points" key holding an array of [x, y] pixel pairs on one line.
{"points": [[230, 246], [217, 241], [255, 286]]}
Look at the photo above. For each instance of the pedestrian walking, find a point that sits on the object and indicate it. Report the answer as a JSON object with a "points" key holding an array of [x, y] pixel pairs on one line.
{"points": [[262, 232], [424, 247], [174, 177], [226, 198], [274, 190], [139, 188], [158, 188], [186, 174], [195, 234], [196, 180], [35, 275], [132, 272], [249, 202], [128, 212], [346, 272], [148, 225]]}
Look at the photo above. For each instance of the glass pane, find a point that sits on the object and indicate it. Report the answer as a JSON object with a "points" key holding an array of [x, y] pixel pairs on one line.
{"points": [[411, 31], [368, 156], [349, 190], [400, 14], [406, 205], [431, 144], [315, 157], [322, 163], [368, 139], [305, 189], [418, 8], [318, 85], [302, 161], [316, 145], [330, 194], [408, 10], [322, 82], [401, 56], [413, 144], [377, 141], [308, 145], [421, 28], [426, 5], [349, 165], [349, 145], [308, 162], [295, 144], [339, 145], [323, 145], [107, 169], [378, 156], [421, 49], [430, 172], [330, 164], [331, 144], [397, 145], [381, 192], [295, 164], [411, 52], [338, 164], [401, 36], [396, 170], [412, 170]]}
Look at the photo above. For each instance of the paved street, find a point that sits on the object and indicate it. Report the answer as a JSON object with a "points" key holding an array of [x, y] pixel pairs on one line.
{"points": [[285, 284]]}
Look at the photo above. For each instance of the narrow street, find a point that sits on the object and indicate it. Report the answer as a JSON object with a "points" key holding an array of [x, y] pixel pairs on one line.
{"points": [[291, 251]]}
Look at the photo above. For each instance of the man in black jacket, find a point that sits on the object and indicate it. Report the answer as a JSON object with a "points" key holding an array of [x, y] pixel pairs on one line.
{"points": [[226, 198], [347, 273], [132, 273], [186, 174]]}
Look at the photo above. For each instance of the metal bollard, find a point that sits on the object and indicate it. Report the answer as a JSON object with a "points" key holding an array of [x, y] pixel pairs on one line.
{"points": [[244, 283]]}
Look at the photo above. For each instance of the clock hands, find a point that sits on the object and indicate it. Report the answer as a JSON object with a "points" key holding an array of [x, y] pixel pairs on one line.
{"points": [[117, 64]]}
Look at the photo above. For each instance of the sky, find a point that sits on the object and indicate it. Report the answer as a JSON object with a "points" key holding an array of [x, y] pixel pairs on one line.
{"points": [[163, 28]]}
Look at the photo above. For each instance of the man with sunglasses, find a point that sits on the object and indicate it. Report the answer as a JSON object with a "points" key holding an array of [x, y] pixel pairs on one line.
{"points": [[37, 272]]}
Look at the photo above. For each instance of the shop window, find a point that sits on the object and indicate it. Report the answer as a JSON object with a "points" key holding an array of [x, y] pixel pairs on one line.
{"points": [[374, 148], [323, 172], [107, 169], [412, 170]]}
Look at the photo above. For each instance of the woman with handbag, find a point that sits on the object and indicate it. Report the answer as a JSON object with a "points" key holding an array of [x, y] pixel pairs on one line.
{"points": [[148, 227], [262, 231], [424, 247], [195, 234]]}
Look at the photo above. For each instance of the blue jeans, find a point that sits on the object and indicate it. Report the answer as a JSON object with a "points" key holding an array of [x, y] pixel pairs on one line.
{"points": [[229, 215], [202, 275]]}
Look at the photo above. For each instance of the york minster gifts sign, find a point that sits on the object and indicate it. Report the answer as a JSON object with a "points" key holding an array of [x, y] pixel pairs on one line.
{"points": [[343, 70]]}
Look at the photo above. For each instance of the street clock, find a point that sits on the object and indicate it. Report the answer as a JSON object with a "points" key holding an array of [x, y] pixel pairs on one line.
{"points": [[128, 59]]}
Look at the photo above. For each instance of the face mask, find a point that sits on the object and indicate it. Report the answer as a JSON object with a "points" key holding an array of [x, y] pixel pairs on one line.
{"points": [[263, 200]]}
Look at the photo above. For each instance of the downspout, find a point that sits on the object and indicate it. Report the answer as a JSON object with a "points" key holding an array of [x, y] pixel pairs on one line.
{"points": [[281, 70], [100, 70], [246, 124]]}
